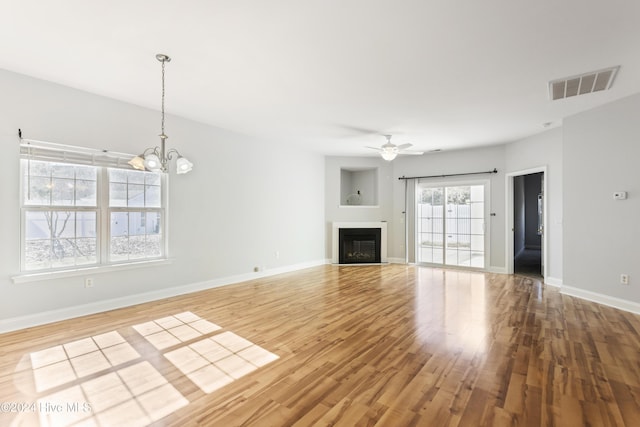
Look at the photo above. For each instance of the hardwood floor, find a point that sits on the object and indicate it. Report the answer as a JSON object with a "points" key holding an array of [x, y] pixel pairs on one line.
{"points": [[387, 345]]}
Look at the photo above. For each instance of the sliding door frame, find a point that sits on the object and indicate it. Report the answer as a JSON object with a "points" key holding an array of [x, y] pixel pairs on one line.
{"points": [[487, 220]]}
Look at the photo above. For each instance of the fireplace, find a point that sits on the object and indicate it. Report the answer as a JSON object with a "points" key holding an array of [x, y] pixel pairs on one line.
{"points": [[359, 242], [359, 245]]}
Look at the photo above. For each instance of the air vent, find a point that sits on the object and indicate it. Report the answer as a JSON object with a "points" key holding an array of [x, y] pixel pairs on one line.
{"points": [[581, 85]]}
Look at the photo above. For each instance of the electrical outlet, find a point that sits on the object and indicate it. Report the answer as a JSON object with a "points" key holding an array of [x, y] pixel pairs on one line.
{"points": [[88, 283], [624, 279]]}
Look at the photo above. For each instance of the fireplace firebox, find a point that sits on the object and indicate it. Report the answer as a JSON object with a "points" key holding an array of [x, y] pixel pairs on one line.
{"points": [[359, 245]]}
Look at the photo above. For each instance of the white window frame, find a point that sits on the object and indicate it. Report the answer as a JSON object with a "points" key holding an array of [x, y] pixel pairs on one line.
{"points": [[487, 223], [87, 157]]}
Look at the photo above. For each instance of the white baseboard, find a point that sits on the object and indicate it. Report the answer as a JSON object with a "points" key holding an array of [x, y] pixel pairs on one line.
{"points": [[21, 322], [396, 260], [614, 302], [552, 281], [497, 270]]}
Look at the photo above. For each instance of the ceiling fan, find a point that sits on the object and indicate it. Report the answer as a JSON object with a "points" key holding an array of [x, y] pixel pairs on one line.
{"points": [[389, 151]]}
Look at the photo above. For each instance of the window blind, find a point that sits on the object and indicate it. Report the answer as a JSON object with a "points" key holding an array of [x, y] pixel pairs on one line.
{"points": [[53, 152]]}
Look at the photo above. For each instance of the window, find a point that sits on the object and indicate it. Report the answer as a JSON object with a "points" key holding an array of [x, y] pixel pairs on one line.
{"points": [[451, 224], [77, 215]]}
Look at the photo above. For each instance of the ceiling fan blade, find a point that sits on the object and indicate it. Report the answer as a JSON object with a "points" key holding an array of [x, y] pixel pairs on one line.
{"points": [[374, 148], [404, 146], [358, 130], [412, 153]]}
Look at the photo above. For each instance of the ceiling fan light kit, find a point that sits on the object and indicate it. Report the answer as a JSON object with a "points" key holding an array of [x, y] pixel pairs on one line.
{"points": [[390, 151]]}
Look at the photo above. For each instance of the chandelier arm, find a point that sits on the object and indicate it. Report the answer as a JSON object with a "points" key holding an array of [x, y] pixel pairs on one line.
{"points": [[171, 152], [153, 150]]}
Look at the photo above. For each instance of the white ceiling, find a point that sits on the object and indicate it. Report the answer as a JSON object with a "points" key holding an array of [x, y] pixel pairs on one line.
{"points": [[333, 75]]}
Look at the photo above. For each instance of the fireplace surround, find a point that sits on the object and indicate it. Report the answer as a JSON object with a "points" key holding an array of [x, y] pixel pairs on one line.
{"points": [[359, 243]]}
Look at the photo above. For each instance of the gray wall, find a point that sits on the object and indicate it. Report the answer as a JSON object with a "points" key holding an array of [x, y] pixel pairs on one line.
{"points": [[334, 211], [541, 150], [245, 200], [450, 162], [532, 187], [601, 153], [545, 150], [518, 214]]}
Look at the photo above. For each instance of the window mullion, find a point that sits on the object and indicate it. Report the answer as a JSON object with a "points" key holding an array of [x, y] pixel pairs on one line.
{"points": [[103, 208]]}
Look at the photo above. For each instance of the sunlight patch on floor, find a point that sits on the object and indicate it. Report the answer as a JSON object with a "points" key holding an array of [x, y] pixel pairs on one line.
{"points": [[172, 330], [214, 362], [59, 365], [134, 396], [103, 380]]}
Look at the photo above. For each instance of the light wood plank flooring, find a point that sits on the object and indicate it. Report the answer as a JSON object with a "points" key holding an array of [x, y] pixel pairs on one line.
{"points": [[386, 345]]}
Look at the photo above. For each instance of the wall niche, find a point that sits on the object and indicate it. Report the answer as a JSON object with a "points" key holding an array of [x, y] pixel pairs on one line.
{"points": [[358, 186]]}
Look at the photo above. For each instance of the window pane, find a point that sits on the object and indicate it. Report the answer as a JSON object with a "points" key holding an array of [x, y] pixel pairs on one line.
{"points": [[135, 235], [136, 177], [62, 192], [477, 226], [37, 191], [153, 196], [477, 210], [477, 193], [60, 170], [86, 224], [86, 194], [37, 226], [135, 196], [117, 195], [153, 179], [153, 223], [86, 251], [57, 184], [119, 248], [137, 247], [37, 254], [88, 173], [37, 168], [119, 224], [153, 248], [63, 224], [118, 175], [137, 223], [51, 239], [134, 189]]}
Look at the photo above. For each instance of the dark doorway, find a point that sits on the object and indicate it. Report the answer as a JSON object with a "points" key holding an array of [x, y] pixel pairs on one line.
{"points": [[527, 224]]}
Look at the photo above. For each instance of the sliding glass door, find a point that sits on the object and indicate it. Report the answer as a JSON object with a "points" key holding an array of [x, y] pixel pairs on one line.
{"points": [[450, 225]]}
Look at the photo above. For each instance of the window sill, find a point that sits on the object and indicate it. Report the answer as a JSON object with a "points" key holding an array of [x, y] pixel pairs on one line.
{"points": [[85, 271]]}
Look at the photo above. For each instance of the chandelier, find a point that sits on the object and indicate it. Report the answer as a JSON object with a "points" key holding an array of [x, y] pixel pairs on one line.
{"points": [[157, 159]]}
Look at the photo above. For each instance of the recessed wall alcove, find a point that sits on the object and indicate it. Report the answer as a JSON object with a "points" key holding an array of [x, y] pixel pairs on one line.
{"points": [[358, 186]]}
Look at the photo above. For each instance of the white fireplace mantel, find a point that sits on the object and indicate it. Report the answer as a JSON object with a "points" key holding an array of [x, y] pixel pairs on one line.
{"points": [[369, 224]]}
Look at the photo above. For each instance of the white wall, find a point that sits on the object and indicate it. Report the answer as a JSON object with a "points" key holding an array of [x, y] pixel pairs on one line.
{"points": [[601, 153], [451, 162], [229, 215], [334, 212], [544, 150]]}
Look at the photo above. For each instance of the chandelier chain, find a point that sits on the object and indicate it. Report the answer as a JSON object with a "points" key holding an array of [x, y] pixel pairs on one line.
{"points": [[163, 61]]}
